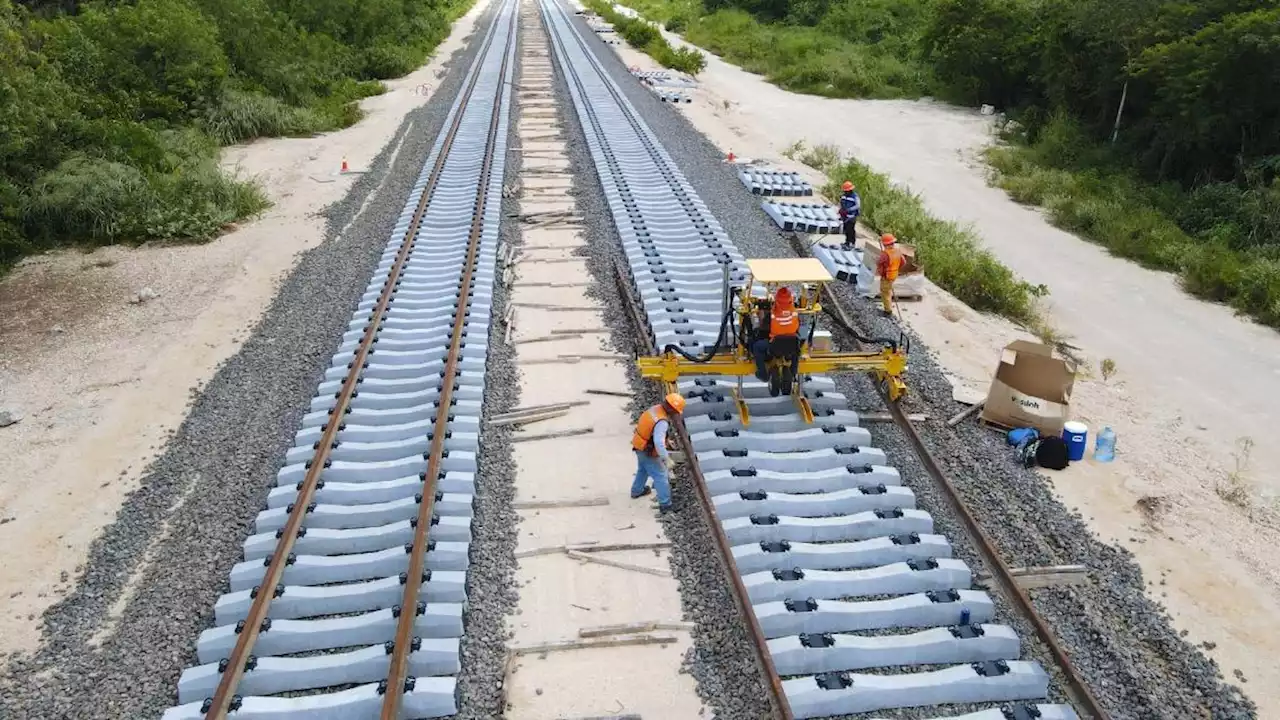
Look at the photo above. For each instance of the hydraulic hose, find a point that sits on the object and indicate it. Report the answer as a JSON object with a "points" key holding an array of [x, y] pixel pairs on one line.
{"points": [[884, 342], [724, 322]]}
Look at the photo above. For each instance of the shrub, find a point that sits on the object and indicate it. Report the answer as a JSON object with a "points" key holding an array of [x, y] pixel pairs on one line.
{"points": [[645, 37], [244, 116], [97, 200]]}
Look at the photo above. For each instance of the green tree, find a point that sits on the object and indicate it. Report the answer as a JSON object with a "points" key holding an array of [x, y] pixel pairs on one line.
{"points": [[1216, 97], [983, 51]]}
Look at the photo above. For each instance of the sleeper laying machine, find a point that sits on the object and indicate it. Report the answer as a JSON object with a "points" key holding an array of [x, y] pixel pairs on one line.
{"points": [[788, 358]]}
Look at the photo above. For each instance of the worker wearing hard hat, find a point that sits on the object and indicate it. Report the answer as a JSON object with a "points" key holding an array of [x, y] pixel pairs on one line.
{"points": [[887, 268], [850, 209], [783, 321], [650, 446]]}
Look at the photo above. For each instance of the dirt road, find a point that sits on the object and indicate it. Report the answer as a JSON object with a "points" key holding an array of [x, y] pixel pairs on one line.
{"points": [[1191, 379], [102, 380]]}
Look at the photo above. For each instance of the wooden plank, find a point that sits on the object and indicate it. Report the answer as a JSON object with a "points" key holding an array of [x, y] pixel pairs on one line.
{"points": [[540, 504], [552, 435], [580, 331], [960, 416], [629, 628], [545, 338], [589, 548], [529, 418], [611, 393], [623, 629], [576, 555], [542, 408], [609, 547], [556, 308], [1030, 578], [562, 645]]}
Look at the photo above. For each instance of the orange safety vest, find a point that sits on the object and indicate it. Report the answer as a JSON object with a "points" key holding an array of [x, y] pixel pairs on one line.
{"points": [[642, 440], [890, 263], [784, 322]]}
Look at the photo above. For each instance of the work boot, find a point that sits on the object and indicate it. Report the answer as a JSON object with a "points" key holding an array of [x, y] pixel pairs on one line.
{"points": [[642, 493], [664, 509]]}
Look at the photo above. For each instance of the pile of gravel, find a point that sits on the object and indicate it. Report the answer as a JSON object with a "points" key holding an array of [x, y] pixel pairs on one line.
{"points": [[182, 529], [1121, 642]]}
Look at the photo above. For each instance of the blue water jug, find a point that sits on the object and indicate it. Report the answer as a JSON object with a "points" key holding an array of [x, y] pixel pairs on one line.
{"points": [[1105, 450]]}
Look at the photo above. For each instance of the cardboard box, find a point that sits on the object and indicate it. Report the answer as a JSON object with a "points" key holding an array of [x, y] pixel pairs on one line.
{"points": [[871, 255], [910, 282], [1031, 388]]}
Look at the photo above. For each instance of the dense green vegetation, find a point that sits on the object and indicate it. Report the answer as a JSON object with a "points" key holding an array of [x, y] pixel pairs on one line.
{"points": [[111, 113], [1149, 126], [646, 38]]}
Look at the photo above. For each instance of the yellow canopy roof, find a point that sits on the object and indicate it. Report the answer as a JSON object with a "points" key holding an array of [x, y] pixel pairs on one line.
{"points": [[790, 270]]}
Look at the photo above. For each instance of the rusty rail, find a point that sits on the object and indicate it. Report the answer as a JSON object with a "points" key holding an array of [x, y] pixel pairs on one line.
{"points": [[778, 703], [1081, 697], [398, 670], [1079, 694], [225, 695]]}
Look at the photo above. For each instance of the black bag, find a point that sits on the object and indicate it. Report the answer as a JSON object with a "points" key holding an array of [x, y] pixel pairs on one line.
{"points": [[1048, 452], [1051, 453]]}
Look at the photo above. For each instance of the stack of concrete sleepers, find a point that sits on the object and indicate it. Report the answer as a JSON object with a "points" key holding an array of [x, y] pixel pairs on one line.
{"points": [[816, 218]]}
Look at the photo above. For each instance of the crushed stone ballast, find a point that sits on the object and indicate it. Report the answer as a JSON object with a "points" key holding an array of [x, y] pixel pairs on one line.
{"points": [[380, 481], [847, 581]]}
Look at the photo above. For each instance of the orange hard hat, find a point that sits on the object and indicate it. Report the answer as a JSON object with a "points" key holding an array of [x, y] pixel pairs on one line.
{"points": [[886, 240], [783, 295], [675, 401], [847, 186]]}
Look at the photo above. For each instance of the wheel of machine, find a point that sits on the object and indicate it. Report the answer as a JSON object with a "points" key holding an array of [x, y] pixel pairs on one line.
{"points": [[775, 383], [788, 379]]}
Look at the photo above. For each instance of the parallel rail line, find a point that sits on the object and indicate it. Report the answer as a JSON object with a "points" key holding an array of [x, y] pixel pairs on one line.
{"points": [[808, 520], [386, 462], [351, 599]]}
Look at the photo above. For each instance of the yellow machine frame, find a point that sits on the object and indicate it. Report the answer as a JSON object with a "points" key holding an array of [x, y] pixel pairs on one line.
{"points": [[806, 278]]}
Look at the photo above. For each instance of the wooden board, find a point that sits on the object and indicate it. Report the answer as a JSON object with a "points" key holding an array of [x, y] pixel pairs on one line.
{"points": [[789, 270]]}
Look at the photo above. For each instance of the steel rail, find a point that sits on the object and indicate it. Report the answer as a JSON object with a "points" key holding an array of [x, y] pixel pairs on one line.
{"points": [[778, 702], [1078, 693], [1081, 697], [279, 559], [397, 672]]}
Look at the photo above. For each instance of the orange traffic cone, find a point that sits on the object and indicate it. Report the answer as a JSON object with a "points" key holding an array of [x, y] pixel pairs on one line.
{"points": [[344, 165]]}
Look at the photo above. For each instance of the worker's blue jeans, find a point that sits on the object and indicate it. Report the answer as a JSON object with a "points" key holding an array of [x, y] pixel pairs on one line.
{"points": [[760, 349], [648, 466]]}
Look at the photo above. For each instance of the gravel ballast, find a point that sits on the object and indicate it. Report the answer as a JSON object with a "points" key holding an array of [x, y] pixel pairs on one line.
{"points": [[1122, 642], [182, 530]]}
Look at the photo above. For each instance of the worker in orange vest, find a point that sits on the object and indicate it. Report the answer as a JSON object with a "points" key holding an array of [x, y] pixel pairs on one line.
{"points": [[650, 446], [887, 268], [783, 320]]}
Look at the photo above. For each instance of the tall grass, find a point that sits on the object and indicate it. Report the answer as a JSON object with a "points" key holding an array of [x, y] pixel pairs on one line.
{"points": [[953, 256], [95, 200], [811, 60], [646, 38]]}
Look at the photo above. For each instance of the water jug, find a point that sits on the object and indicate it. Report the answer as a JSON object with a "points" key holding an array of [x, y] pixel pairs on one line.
{"points": [[1105, 450]]}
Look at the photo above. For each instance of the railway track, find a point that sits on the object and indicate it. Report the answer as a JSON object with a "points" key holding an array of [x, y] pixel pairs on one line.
{"points": [[818, 535], [350, 601]]}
